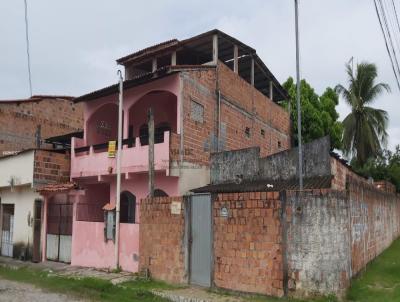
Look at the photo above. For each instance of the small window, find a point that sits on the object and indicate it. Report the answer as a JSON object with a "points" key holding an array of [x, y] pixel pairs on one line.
{"points": [[262, 132], [197, 112], [279, 144], [247, 131]]}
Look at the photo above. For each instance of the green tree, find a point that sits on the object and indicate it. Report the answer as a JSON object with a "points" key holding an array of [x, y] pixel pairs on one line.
{"points": [[385, 166], [319, 116], [365, 127]]}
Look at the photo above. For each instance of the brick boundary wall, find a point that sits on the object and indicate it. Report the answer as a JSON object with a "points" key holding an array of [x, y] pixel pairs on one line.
{"points": [[318, 242], [314, 247], [161, 236], [375, 222], [248, 243]]}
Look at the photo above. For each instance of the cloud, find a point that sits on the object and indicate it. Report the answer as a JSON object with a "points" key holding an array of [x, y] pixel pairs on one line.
{"points": [[74, 43]]}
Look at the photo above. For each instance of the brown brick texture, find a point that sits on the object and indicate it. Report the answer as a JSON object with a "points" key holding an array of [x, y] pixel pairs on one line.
{"points": [[19, 121], [51, 167], [161, 235], [242, 106], [248, 243]]}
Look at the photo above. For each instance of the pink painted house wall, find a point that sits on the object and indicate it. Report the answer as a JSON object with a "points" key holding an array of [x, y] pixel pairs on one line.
{"points": [[94, 171]]}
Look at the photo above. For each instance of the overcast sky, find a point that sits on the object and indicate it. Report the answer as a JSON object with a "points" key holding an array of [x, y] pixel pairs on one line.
{"points": [[74, 43]]}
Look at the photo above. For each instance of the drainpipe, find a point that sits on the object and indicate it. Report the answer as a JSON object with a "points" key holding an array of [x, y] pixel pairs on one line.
{"points": [[119, 156]]}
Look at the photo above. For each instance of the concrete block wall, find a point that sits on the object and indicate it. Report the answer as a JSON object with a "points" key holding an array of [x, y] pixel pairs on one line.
{"points": [[162, 245], [248, 243], [317, 242]]}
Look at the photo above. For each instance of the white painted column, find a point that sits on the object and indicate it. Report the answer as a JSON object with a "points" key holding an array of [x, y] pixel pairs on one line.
{"points": [[173, 58], [44, 227], [235, 58]]}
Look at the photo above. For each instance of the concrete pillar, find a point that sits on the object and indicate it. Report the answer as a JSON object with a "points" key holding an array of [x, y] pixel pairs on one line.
{"points": [[271, 90], [215, 49], [173, 58], [154, 65], [235, 58], [44, 227]]}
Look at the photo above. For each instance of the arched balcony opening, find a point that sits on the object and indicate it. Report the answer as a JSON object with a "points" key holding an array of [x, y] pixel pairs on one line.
{"points": [[102, 126], [164, 105]]}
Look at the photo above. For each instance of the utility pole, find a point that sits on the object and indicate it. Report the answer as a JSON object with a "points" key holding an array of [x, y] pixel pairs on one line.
{"points": [[151, 152], [296, 4], [119, 156], [27, 47]]}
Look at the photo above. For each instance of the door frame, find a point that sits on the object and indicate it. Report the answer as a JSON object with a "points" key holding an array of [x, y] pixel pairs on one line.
{"points": [[190, 238]]}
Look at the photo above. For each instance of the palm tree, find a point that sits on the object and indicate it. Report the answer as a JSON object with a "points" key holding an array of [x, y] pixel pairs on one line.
{"points": [[365, 127]]}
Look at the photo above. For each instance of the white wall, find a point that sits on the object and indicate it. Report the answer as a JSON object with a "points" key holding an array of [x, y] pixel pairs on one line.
{"points": [[19, 167], [23, 200]]}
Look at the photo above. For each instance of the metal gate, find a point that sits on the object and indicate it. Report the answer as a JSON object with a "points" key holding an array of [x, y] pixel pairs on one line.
{"points": [[7, 231], [59, 232], [200, 251]]}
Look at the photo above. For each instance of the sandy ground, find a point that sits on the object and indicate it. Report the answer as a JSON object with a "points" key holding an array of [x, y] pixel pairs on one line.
{"points": [[21, 292]]}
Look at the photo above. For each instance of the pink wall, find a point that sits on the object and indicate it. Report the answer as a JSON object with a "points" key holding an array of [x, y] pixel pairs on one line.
{"points": [[88, 246], [131, 96], [164, 109], [102, 125], [90, 250]]}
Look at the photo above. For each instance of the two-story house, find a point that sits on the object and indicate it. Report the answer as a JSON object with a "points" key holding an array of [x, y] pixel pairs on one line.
{"points": [[209, 93]]}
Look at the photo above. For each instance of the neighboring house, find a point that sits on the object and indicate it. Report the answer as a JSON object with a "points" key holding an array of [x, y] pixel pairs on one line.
{"points": [[25, 122], [208, 93], [21, 209]]}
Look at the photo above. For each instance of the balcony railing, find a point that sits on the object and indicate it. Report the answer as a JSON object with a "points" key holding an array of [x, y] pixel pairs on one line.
{"points": [[93, 160]]}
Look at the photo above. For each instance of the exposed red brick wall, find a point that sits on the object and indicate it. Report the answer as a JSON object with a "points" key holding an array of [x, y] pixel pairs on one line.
{"points": [[385, 185], [340, 174], [51, 167], [161, 235], [248, 244], [375, 221], [242, 106], [19, 121]]}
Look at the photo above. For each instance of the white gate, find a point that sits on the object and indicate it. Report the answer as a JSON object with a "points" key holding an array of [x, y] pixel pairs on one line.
{"points": [[7, 235]]}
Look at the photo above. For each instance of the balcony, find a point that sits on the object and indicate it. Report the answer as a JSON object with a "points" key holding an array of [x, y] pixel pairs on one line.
{"points": [[93, 161]]}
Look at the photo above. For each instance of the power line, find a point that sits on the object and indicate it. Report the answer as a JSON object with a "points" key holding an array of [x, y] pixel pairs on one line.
{"points": [[388, 39], [27, 47]]}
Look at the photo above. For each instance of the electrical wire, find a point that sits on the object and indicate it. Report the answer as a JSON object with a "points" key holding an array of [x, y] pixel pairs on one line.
{"points": [[388, 39]]}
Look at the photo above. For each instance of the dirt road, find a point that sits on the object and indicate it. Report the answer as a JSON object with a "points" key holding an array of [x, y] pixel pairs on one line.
{"points": [[21, 292]]}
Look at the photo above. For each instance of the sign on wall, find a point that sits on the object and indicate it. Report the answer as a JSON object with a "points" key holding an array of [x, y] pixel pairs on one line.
{"points": [[111, 148], [176, 207]]}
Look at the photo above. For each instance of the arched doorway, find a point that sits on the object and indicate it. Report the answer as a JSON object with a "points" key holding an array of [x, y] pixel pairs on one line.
{"points": [[128, 208]]}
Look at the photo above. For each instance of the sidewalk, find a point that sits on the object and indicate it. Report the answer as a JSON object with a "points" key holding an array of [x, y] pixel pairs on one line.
{"points": [[66, 270]]}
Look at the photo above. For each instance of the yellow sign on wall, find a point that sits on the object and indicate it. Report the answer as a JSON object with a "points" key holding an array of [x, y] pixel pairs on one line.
{"points": [[111, 148]]}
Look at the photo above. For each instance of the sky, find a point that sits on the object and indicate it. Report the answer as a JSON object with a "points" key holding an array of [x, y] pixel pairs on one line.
{"points": [[74, 44]]}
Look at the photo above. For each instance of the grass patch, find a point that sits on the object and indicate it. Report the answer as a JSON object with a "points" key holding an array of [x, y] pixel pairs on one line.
{"points": [[381, 280], [92, 289], [262, 298]]}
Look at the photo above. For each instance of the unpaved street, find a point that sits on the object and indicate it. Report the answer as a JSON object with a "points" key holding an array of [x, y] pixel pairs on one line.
{"points": [[21, 292]]}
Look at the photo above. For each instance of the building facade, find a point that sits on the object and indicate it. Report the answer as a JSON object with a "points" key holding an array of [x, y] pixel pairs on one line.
{"points": [[208, 93]]}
